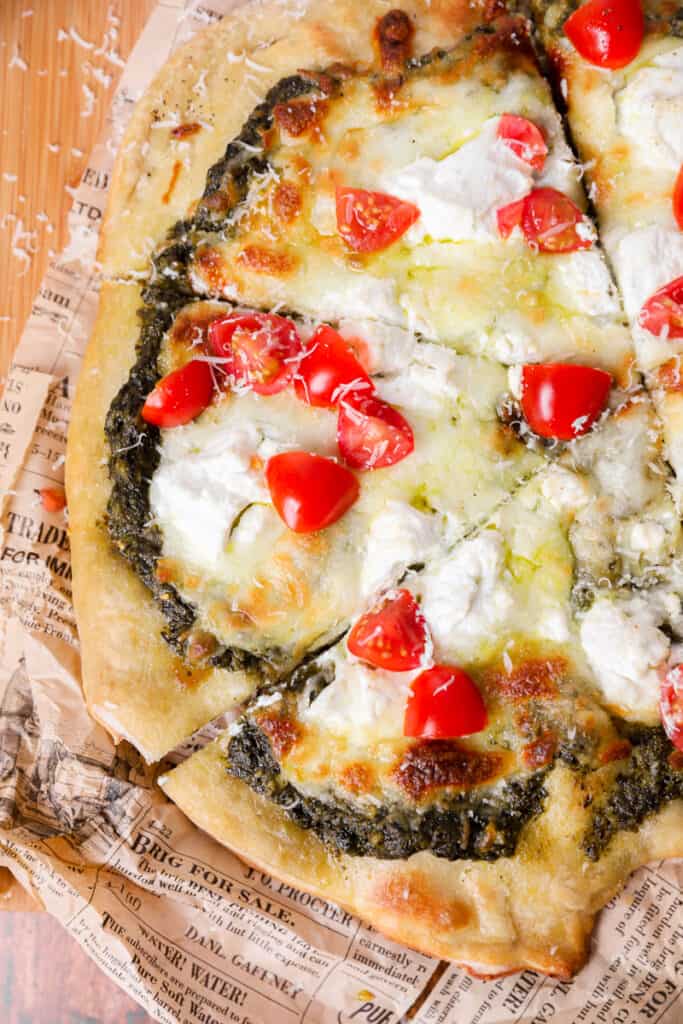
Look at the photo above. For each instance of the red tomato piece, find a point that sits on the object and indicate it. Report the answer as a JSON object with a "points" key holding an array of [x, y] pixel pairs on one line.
{"points": [[563, 400], [662, 314], [671, 705], [678, 199], [510, 217], [444, 703], [392, 635], [370, 221], [550, 222], [371, 434], [180, 396], [308, 491], [53, 499], [607, 33], [524, 139], [329, 370], [261, 349]]}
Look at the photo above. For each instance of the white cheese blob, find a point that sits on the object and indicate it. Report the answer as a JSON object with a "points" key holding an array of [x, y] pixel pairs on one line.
{"points": [[426, 384], [566, 491], [650, 111], [398, 537], [584, 284], [554, 625], [388, 347], [643, 538], [365, 704], [196, 494], [511, 340], [624, 647], [465, 597], [645, 260], [458, 195]]}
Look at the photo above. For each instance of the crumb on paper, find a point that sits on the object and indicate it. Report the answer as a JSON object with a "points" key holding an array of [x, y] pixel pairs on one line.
{"points": [[28, 13], [17, 61], [77, 152], [54, 147], [9, 177], [89, 107]]}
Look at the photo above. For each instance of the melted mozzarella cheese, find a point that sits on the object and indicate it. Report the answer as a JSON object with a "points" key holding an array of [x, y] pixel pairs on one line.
{"points": [[458, 195], [399, 536], [197, 493], [361, 702], [650, 111], [427, 384], [583, 283], [645, 260], [625, 647], [465, 596]]}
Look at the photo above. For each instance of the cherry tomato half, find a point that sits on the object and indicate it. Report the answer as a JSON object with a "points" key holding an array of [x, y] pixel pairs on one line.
{"points": [[392, 635], [551, 222], [563, 400], [510, 217], [370, 221], [444, 703], [524, 139], [662, 314], [329, 370], [261, 349], [308, 491], [607, 33], [671, 705], [371, 434], [180, 396], [678, 199]]}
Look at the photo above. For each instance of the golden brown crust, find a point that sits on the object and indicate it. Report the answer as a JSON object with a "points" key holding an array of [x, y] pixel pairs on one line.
{"points": [[133, 683], [533, 910], [215, 81]]}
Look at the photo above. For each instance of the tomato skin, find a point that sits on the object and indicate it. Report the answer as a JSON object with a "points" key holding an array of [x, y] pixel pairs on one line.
{"points": [[392, 635], [444, 703], [180, 396], [371, 434], [328, 370], [662, 314], [510, 217], [309, 492], [563, 400], [671, 705], [678, 199], [372, 221], [607, 33], [260, 349], [524, 138], [550, 220], [53, 499]]}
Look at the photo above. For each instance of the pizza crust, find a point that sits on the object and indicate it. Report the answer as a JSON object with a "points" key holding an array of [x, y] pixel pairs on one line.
{"points": [[131, 678], [214, 82], [535, 910]]}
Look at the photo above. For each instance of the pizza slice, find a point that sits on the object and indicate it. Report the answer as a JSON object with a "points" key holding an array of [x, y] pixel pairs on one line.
{"points": [[478, 763], [624, 94], [439, 196]]}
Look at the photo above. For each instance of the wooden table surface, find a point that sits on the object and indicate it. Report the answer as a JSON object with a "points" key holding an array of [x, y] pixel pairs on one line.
{"points": [[54, 95]]}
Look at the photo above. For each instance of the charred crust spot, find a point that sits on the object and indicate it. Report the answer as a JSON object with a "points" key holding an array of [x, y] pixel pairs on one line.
{"points": [[676, 760], [494, 9], [616, 751], [357, 778], [175, 174], [536, 679], [401, 890], [436, 764], [184, 131], [300, 115], [394, 34], [669, 376], [541, 751], [271, 262], [287, 201], [282, 732]]}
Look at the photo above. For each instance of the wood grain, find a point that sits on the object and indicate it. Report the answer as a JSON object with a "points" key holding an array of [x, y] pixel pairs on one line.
{"points": [[54, 96]]}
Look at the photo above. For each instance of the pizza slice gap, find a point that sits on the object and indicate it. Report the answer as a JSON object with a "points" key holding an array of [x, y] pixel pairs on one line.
{"points": [[462, 769], [443, 199], [625, 109]]}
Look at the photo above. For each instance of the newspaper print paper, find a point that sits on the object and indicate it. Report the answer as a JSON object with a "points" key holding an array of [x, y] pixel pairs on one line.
{"points": [[181, 924]]}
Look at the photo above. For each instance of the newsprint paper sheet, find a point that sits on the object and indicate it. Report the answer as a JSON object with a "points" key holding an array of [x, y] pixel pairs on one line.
{"points": [[187, 929]]}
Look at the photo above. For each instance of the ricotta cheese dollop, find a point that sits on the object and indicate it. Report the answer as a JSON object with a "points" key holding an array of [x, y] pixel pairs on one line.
{"points": [[624, 647], [645, 260], [399, 536], [650, 111]]}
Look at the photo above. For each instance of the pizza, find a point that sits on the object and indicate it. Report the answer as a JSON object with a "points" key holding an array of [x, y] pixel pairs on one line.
{"points": [[372, 451]]}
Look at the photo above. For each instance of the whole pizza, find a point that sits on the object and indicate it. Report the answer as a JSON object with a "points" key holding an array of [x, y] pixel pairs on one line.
{"points": [[377, 446]]}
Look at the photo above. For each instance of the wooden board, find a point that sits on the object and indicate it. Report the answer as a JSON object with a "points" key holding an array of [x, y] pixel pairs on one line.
{"points": [[54, 97]]}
